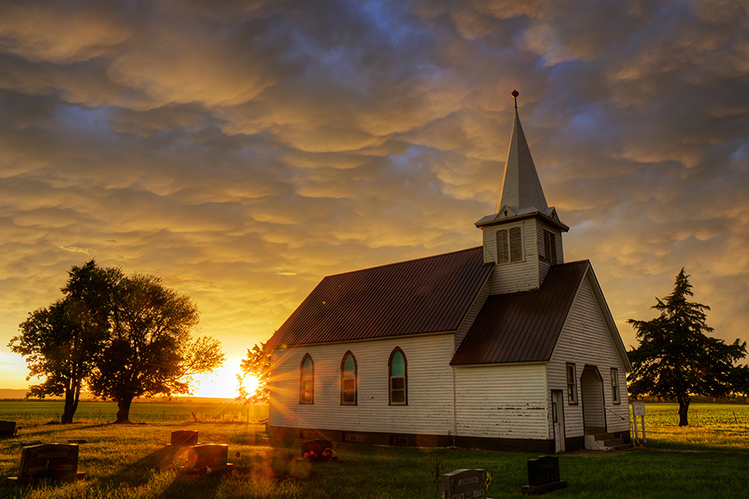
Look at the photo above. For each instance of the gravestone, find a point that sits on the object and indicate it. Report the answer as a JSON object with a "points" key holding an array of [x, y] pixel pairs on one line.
{"points": [[184, 438], [51, 461], [543, 476], [464, 484], [208, 458], [7, 429], [318, 450]]}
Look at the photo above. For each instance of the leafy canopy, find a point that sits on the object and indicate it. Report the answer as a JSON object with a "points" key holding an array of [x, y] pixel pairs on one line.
{"points": [[63, 342], [150, 350], [257, 364]]}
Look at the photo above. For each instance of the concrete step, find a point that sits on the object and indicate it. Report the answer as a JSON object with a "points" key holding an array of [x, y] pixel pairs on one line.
{"points": [[605, 441]]}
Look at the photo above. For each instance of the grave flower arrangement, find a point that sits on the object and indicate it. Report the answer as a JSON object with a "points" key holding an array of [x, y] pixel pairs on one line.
{"points": [[327, 454]]}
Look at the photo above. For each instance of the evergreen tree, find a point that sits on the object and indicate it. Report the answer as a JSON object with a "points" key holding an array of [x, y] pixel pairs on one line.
{"points": [[676, 359]]}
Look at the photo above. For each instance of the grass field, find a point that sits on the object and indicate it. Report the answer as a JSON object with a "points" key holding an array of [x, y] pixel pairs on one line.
{"points": [[141, 412], [711, 460]]}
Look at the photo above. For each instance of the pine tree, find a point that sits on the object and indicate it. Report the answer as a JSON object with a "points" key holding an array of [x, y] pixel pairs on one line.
{"points": [[676, 358]]}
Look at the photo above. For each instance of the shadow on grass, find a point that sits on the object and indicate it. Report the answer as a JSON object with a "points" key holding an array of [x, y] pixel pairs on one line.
{"points": [[36, 432], [192, 486], [141, 471]]}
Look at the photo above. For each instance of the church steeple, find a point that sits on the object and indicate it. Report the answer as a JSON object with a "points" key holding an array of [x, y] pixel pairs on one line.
{"points": [[521, 188], [524, 236]]}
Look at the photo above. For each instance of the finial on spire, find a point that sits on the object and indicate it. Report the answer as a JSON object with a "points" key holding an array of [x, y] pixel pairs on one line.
{"points": [[515, 94]]}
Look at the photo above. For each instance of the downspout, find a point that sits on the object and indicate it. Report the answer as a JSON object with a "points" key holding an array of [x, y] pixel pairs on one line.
{"points": [[455, 411]]}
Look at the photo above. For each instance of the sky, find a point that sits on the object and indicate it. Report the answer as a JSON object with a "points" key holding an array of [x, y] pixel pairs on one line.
{"points": [[244, 150]]}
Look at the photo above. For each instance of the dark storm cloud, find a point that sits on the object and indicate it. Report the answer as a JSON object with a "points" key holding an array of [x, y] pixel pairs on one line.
{"points": [[243, 150]]}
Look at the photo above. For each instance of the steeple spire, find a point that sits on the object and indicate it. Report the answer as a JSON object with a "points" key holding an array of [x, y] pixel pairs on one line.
{"points": [[521, 188]]}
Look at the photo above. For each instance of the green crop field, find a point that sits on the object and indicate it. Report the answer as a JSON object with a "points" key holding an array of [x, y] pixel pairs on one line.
{"points": [[708, 459]]}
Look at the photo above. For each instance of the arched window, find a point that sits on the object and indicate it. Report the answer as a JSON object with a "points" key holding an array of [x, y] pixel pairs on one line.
{"points": [[398, 378], [348, 379], [307, 381]]}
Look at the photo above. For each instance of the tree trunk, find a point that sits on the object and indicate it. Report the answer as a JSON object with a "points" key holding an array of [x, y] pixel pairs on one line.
{"points": [[67, 414], [123, 410], [72, 397], [683, 408]]}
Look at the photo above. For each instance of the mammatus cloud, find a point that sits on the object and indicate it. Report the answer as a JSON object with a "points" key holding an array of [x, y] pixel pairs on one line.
{"points": [[244, 150]]}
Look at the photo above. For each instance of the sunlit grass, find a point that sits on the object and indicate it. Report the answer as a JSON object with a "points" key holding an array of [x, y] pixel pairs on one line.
{"points": [[120, 463], [712, 426]]}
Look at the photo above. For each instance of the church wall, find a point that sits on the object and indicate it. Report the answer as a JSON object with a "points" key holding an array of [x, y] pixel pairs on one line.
{"points": [[586, 340], [429, 377], [502, 401]]}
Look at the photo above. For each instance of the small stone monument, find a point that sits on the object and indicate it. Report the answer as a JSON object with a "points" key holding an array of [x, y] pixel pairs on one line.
{"points": [[7, 429], [208, 458], [184, 438], [464, 484], [58, 462], [543, 476]]}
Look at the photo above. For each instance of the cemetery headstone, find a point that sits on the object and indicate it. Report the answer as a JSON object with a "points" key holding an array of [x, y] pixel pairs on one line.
{"points": [[7, 429], [318, 450], [184, 438], [208, 458], [57, 462], [543, 476], [464, 484]]}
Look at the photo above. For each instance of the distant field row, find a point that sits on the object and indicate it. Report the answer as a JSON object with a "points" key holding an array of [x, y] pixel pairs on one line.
{"points": [[704, 414], [658, 414], [149, 412]]}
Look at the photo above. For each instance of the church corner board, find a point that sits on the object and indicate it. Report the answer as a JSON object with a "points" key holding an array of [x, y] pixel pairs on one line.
{"points": [[502, 346]]}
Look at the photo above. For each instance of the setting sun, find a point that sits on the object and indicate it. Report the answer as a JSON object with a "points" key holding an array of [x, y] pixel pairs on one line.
{"points": [[250, 383], [222, 383]]}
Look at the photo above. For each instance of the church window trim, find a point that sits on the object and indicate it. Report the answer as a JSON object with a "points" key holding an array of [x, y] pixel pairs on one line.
{"points": [[550, 247], [571, 384], [397, 378], [615, 386], [349, 379], [510, 245], [307, 380]]}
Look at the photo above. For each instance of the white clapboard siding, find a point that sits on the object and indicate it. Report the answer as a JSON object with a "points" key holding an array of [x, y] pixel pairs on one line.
{"points": [[430, 401], [514, 276], [587, 340], [502, 401]]}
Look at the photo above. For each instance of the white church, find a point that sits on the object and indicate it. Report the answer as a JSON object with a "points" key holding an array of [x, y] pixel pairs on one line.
{"points": [[502, 346]]}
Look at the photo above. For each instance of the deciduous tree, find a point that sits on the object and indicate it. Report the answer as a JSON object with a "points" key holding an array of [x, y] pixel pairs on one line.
{"points": [[62, 342], [150, 350], [676, 359], [257, 364]]}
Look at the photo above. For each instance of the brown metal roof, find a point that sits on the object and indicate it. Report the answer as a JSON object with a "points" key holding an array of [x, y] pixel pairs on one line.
{"points": [[522, 327], [419, 296]]}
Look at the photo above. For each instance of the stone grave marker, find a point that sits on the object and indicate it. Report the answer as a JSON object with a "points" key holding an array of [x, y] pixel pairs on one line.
{"points": [[51, 461], [208, 458], [464, 484], [543, 476], [7, 429], [184, 438]]}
